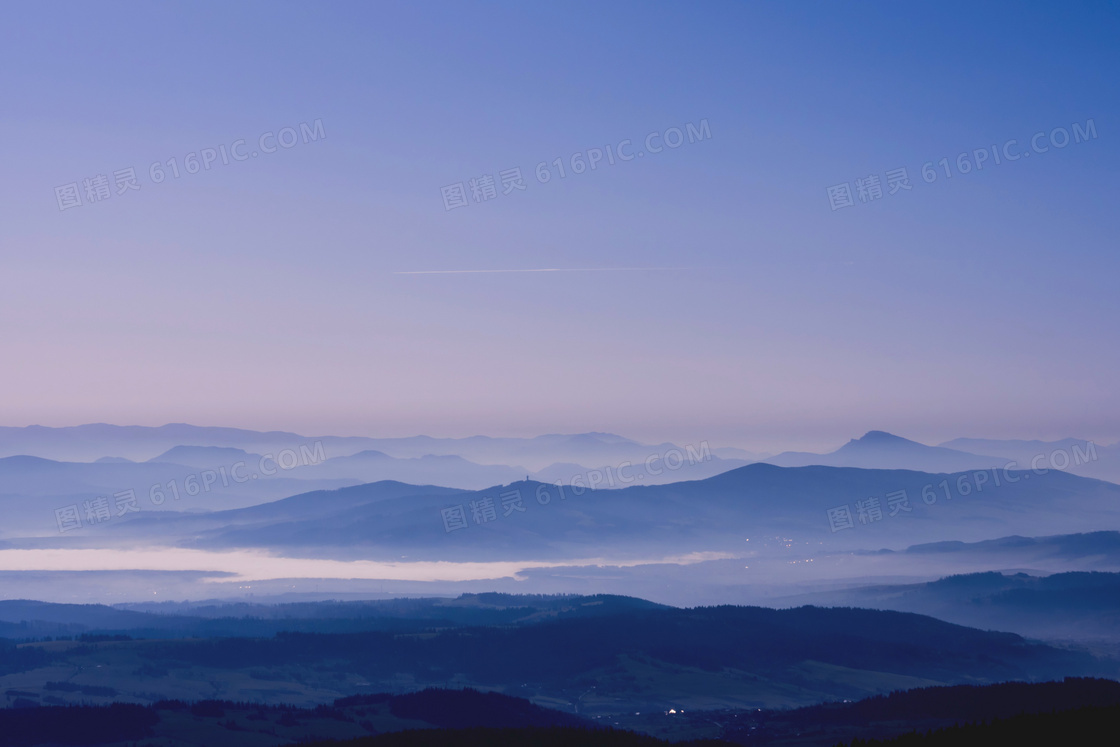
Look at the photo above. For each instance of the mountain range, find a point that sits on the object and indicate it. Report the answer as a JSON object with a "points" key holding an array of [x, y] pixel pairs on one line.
{"points": [[139, 443], [528, 520]]}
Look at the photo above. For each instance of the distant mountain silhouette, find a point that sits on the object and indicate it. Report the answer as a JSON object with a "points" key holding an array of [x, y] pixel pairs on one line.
{"points": [[86, 443], [204, 456], [881, 450]]}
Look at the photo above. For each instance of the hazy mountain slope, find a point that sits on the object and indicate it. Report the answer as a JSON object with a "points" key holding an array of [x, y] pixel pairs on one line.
{"points": [[1102, 460], [1019, 449], [365, 466], [609, 476], [450, 470], [1102, 544], [1066, 605], [303, 507], [31, 489]]}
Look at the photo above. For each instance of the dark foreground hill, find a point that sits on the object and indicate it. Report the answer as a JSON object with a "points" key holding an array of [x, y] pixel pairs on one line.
{"points": [[23, 619], [215, 723], [469, 717], [557, 737], [887, 716], [631, 659], [712, 640], [1084, 727]]}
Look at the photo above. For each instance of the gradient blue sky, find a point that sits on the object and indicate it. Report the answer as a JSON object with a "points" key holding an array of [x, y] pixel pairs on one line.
{"points": [[264, 294]]}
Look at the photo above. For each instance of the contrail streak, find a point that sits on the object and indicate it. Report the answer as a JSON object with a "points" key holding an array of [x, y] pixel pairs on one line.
{"points": [[541, 269]]}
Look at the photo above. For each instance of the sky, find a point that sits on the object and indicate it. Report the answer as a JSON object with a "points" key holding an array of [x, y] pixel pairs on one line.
{"points": [[725, 289]]}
